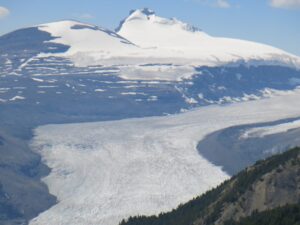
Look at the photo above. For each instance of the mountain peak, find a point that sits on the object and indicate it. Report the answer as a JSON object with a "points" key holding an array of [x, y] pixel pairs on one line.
{"points": [[146, 29], [140, 13], [146, 11], [149, 15]]}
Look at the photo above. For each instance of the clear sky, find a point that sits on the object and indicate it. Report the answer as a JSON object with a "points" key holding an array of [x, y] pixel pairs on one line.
{"points": [[274, 22]]}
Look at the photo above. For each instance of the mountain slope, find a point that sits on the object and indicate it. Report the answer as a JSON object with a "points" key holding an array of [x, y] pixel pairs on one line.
{"points": [[285, 215], [267, 185], [87, 38], [22, 194], [147, 30]]}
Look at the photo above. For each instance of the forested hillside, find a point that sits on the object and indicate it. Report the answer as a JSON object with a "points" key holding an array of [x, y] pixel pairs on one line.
{"points": [[256, 194]]}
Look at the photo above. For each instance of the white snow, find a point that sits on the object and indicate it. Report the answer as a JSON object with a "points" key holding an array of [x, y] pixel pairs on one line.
{"points": [[4, 89], [269, 130], [152, 98], [8, 62], [170, 47], [128, 93], [184, 41], [24, 64], [99, 90], [87, 39], [17, 97], [19, 88], [157, 72], [37, 79], [47, 86], [269, 92], [191, 100], [106, 171], [200, 96]]}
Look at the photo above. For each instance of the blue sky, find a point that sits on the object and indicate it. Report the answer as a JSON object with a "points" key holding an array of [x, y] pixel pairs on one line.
{"points": [[274, 22]]}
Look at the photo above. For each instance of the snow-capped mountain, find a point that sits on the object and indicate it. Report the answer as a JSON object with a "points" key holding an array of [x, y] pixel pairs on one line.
{"points": [[147, 30], [69, 71], [145, 48], [171, 49], [145, 37], [149, 60]]}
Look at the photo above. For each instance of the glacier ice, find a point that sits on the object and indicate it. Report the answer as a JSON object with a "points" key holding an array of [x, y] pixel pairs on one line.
{"points": [[105, 171]]}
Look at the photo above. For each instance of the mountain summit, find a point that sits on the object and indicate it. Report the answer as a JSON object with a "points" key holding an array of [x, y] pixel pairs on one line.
{"points": [[147, 29], [150, 15]]}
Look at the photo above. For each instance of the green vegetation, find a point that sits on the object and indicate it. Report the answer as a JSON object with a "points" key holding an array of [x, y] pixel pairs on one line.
{"points": [[209, 206], [287, 215], [184, 214]]}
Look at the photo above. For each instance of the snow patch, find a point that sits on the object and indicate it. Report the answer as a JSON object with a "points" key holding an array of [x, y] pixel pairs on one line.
{"points": [[157, 72], [37, 79], [17, 97], [152, 98], [260, 132], [99, 90]]}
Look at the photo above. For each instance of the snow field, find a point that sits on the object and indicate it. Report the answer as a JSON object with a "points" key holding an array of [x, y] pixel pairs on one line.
{"points": [[153, 40]]}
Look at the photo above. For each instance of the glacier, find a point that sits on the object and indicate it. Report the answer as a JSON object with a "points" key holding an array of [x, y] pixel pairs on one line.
{"points": [[103, 172]]}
